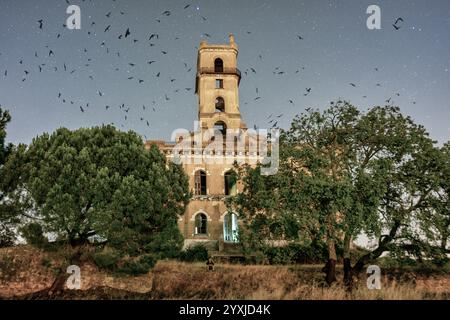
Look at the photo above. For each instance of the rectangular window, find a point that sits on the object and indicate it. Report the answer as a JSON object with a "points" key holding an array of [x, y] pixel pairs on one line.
{"points": [[219, 84]]}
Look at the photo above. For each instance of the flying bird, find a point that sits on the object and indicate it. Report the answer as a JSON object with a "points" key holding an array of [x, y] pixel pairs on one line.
{"points": [[127, 33], [41, 22], [398, 20], [107, 28], [395, 25]]}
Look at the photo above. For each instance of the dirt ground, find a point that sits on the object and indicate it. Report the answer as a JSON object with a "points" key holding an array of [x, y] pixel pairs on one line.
{"points": [[28, 273]]}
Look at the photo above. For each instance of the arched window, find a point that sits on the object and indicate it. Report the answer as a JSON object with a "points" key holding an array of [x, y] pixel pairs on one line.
{"points": [[200, 183], [230, 228], [230, 183], [200, 223], [220, 127], [220, 104], [218, 65]]}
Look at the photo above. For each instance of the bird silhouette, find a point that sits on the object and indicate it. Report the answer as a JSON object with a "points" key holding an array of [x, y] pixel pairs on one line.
{"points": [[399, 20], [395, 25], [41, 23]]}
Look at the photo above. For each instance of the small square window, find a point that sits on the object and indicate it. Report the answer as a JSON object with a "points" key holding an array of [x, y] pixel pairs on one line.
{"points": [[219, 84]]}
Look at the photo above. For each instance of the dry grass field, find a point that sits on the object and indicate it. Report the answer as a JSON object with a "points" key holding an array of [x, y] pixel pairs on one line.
{"points": [[25, 271]]}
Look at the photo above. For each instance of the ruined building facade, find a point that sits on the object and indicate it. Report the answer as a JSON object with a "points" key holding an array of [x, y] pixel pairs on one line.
{"points": [[210, 170]]}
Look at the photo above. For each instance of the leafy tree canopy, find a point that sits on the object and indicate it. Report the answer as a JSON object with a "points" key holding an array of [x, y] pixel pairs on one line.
{"points": [[99, 182]]}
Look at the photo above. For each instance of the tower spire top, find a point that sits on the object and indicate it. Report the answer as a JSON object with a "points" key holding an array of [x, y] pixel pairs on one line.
{"points": [[231, 37]]}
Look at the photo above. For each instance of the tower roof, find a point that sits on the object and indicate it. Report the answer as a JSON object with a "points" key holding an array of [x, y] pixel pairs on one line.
{"points": [[231, 45]]}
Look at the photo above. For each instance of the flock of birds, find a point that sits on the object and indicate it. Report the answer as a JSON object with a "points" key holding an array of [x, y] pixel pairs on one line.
{"points": [[152, 40]]}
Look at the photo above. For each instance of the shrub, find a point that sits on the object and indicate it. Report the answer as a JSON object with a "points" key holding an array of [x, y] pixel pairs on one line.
{"points": [[194, 253], [107, 259], [34, 235], [8, 268], [139, 266], [167, 243], [7, 238], [296, 253], [46, 263]]}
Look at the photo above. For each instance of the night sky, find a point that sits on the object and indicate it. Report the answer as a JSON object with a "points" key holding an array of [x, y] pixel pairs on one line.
{"points": [[410, 65]]}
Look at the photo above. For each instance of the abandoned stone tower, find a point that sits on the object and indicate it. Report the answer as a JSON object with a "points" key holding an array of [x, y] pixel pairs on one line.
{"points": [[210, 171]]}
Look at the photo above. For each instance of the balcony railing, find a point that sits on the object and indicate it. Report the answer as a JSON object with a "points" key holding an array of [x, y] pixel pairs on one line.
{"points": [[234, 71]]}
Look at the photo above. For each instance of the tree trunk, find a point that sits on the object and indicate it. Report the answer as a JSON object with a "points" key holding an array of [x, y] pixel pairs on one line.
{"points": [[348, 274], [330, 267]]}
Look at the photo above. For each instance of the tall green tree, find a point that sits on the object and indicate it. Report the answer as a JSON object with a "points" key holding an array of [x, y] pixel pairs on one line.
{"points": [[100, 182], [8, 214], [344, 172]]}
